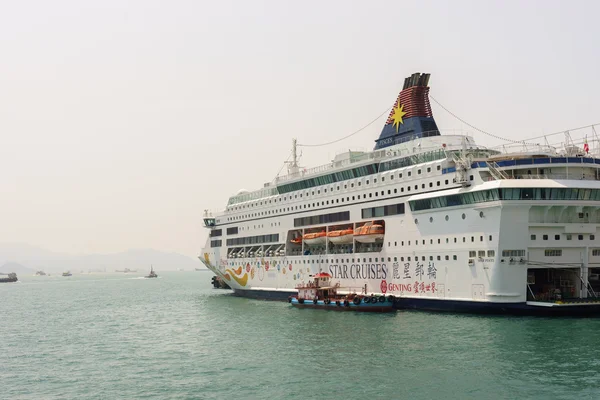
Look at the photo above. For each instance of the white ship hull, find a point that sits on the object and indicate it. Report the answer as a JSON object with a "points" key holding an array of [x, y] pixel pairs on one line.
{"points": [[345, 239], [320, 241], [427, 263], [376, 237]]}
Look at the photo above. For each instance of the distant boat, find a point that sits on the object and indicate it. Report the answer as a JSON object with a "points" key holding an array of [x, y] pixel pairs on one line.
{"points": [[68, 273], [12, 277], [40, 273], [200, 269], [152, 274], [126, 270]]}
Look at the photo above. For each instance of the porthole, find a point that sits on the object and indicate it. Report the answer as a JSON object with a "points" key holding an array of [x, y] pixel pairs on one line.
{"points": [[480, 214], [416, 221], [430, 219], [447, 218], [464, 216]]}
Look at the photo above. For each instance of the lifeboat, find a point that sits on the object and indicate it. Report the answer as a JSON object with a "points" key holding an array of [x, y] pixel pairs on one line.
{"points": [[341, 236], [315, 239], [296, 240], [369, 233]]}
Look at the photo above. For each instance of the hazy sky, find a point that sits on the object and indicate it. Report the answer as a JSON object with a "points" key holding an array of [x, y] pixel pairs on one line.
{"points": [[120, 121]]}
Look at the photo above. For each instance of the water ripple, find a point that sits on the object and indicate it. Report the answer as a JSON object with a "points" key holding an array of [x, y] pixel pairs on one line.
{"points": [[112, 337]]}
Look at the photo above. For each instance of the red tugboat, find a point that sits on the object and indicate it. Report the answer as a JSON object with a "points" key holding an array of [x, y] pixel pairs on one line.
{"points": [[321, 293]]}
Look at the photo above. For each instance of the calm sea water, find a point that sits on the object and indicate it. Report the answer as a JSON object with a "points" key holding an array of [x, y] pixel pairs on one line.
{"points": [[117, 337]]}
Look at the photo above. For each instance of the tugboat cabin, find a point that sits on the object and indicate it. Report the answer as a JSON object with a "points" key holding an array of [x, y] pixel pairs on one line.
{"points": [[320, 288]]}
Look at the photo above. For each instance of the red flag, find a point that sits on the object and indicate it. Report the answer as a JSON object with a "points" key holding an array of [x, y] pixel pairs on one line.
{"points": [[586, 147]]}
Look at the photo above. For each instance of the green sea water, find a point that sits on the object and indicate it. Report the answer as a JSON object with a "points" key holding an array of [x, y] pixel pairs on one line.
{"points": [[116, 336]]}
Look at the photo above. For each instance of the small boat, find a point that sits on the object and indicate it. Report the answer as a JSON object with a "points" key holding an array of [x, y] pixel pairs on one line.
{"points": [[320, 293], [341, 236], [152, 274], [12, 277], [126, 270], [315, 239], [369, 233], [68, 273], [40, 273]]}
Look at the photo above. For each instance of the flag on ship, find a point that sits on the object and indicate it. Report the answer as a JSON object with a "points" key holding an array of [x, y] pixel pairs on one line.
{"points": [[586, 147]]}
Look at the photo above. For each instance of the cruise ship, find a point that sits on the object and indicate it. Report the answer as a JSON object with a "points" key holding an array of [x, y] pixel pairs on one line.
{"points": [[436, 221]]}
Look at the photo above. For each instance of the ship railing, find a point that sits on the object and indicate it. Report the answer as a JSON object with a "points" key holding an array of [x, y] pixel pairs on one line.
{"points": [[526, 148], [571, 176], [370, 156], [212, 213], [332, 165]]}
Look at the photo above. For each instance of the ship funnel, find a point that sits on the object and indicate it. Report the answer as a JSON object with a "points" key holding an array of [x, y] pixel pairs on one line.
{"points": [[411, 116]]}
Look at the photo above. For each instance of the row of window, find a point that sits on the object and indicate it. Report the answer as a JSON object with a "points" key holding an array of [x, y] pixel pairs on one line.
{"points": [[363, 171], [330, 178], [553, 252], [332, 201], [232, 231], [322, 219], [338, 177], [416, 159], [505, 194], [358, 260], [216, 243], [513, 253], [439, 241], [216, 232], [253, 240], [383, 211], [558, 252], [481, 253], [568, 236]]}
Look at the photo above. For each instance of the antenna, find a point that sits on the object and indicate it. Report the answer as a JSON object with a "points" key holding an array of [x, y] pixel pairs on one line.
{"points": [[293, 168]]}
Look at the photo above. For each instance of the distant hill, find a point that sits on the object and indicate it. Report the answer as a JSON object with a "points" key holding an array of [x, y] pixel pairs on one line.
{"points": [[34, 258], [16, 268]]}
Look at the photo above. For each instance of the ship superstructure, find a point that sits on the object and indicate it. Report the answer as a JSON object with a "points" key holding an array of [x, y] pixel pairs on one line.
{"points": [[437, 221]]}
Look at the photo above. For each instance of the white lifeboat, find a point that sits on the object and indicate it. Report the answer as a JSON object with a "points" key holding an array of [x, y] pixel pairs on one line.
{"points": [[369, 233], [341, 236], [315, 239]]}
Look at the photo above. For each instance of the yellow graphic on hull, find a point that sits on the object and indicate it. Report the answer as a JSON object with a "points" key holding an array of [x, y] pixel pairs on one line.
{"points": [[242, 281]]}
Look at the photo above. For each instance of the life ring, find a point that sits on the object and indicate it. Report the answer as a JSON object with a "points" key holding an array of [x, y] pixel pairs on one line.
{"points": [[300, 301], [315, 300], [367, 300], [382, 299], [356, 300], [337, 303], [327, 301], [373, 299], [391, 298], [346, 303]]}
